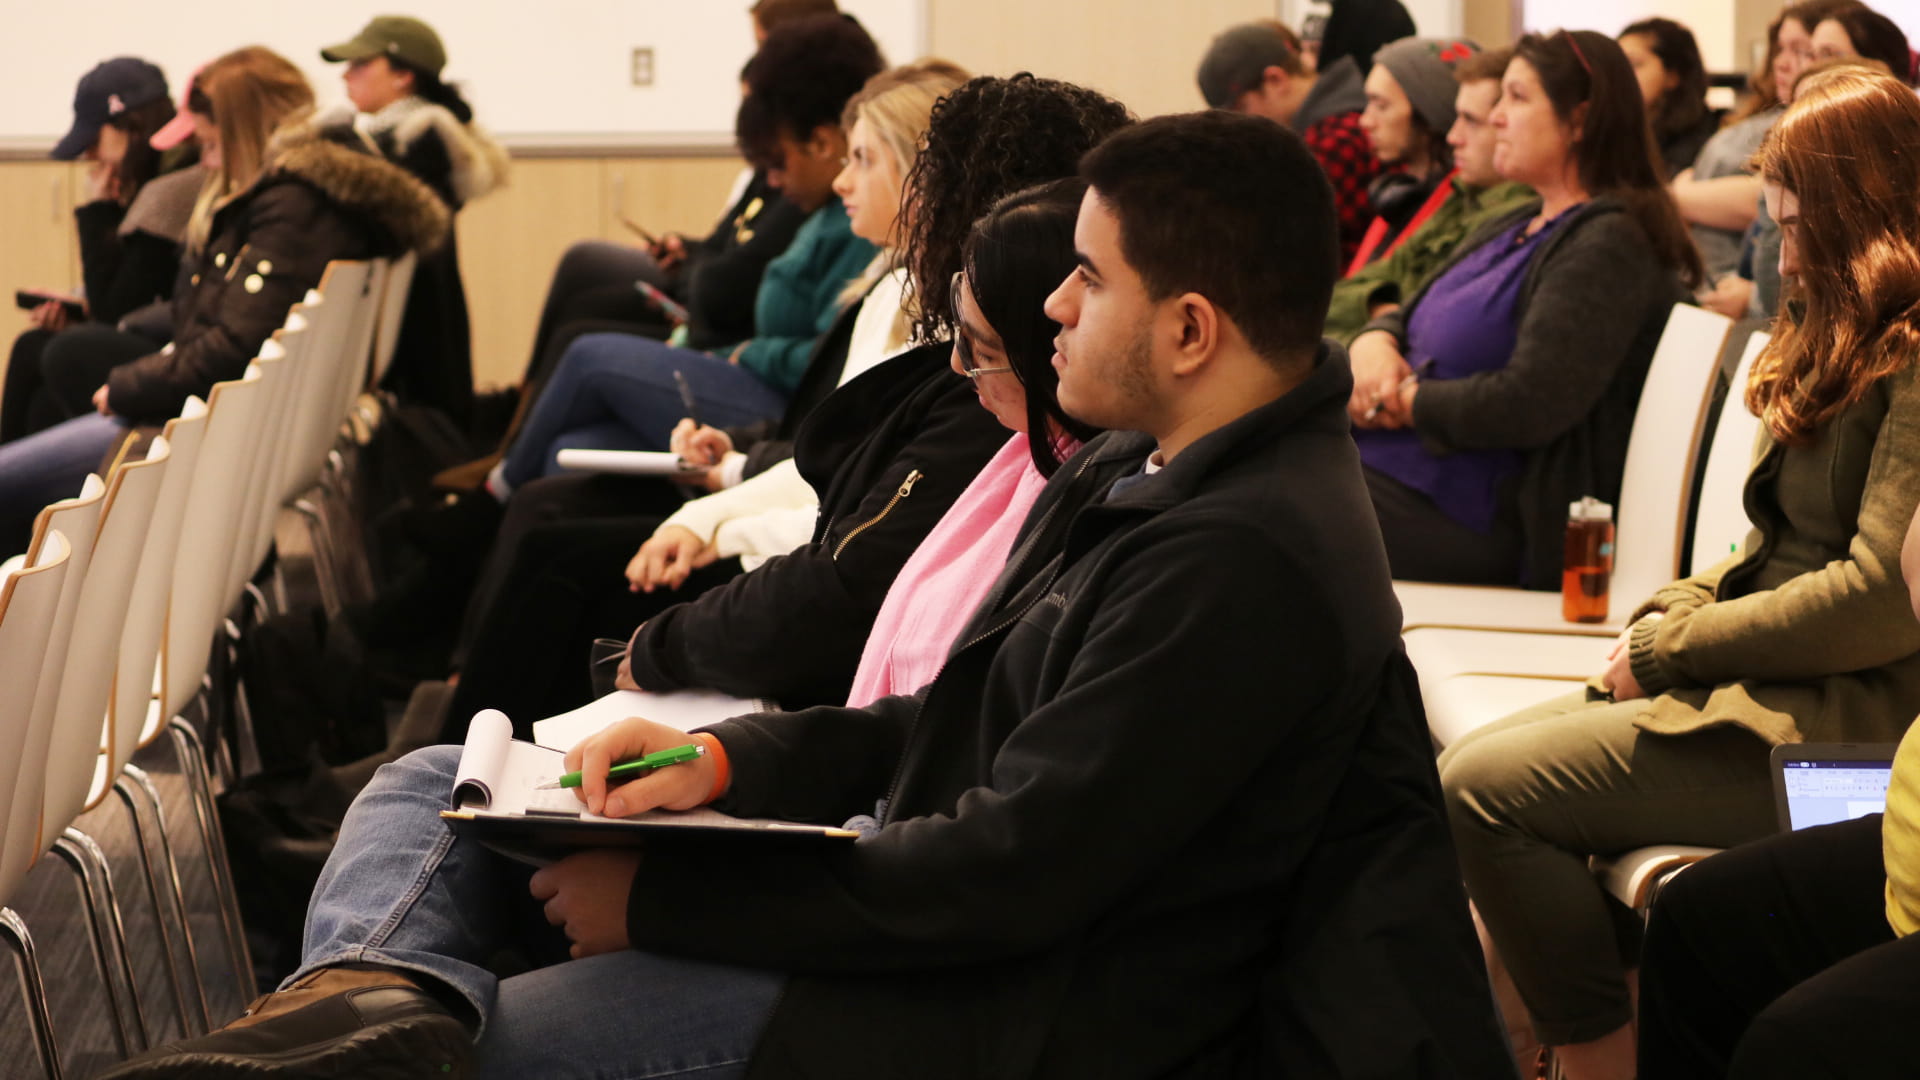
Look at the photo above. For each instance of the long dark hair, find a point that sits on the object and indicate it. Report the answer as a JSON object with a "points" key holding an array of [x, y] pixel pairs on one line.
{"points": [[142, 162], [1615, 153], [1683, 107], [1852, 315], [987, 140], [1014, 257], [428, 85]]}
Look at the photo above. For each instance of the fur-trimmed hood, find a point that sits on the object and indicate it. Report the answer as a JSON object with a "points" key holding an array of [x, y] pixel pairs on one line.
{"points": [[478, 164], [396, 200]]}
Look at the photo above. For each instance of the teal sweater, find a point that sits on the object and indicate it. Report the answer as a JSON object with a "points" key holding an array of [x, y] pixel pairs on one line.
{"points": [[799, 295]]}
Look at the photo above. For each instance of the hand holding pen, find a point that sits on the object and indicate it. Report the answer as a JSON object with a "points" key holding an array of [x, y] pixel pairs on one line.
{"points": [[681, 786]]}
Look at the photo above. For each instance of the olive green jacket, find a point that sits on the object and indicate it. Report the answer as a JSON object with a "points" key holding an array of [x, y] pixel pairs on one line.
{"points": [[1808, 635], [1393, 278]]}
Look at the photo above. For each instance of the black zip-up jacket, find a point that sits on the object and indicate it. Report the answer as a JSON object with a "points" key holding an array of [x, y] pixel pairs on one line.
{"points": [[888, 453], [1170, 809]]}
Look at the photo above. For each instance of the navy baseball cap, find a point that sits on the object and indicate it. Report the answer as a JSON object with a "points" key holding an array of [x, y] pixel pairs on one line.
{"points": [[110, 89]]}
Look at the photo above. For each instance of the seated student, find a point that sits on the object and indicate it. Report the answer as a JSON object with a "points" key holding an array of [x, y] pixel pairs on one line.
{"points": [[1061, 884], [1506, 388], [1795, 956], [1250, 69], [401, 109], [279, 204], [1719, 196], [1476, 195], [618, 391], [1673, 84], [1857, 32], [1408, 116], [908, 423], [131, 225], [1805, 636]]}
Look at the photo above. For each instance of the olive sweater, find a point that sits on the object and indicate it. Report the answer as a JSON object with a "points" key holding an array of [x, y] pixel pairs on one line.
{"points": [[1808, 635]]}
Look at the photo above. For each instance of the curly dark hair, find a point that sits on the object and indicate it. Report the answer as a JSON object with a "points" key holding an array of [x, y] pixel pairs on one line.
{"points": [[985, 141], [804, 74]]}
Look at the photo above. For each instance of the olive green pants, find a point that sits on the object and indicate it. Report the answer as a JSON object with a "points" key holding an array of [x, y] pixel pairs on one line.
{"points": [[1531, 796]]}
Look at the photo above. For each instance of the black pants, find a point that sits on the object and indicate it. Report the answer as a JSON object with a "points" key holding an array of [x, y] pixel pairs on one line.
{"points": [[52, 377], [594, 283], [1775, 960], [554, 582], [1424, 544]]}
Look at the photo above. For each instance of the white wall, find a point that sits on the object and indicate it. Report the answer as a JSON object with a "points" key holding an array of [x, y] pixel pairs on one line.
{"points": [[543, 68], [1710, 20]]}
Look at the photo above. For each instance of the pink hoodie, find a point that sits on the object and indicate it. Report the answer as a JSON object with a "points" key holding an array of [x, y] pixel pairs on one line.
{"points": [[936, 591]]}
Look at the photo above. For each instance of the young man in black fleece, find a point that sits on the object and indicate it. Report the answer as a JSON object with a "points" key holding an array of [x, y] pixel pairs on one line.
{"points": [[1169, 810]]}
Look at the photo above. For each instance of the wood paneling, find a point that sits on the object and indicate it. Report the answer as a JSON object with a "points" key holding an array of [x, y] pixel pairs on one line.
{"points": [[1144, 54], [38, 247], [511, 240]]}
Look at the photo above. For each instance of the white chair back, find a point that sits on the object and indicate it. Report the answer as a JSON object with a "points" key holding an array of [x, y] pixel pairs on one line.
{"points": [[259, 501], [86, 685], [1661, 452], [77, 519], [208, 534], [29, 604], [393, 308], [1720, 522]]}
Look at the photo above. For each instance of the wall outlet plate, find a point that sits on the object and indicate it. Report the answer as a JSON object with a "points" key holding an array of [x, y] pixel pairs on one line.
{"points": [[643, 65]]}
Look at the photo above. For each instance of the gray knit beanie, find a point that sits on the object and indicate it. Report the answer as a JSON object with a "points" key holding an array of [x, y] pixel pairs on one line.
{"points": [[1424, 69]]}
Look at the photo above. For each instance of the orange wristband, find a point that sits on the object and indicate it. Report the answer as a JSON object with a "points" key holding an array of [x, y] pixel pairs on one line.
{"points": [[722, 769]]}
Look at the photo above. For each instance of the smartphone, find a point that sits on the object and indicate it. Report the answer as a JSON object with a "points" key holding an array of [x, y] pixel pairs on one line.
{"points": [[28, 299], [668, 306], [646, 237]]}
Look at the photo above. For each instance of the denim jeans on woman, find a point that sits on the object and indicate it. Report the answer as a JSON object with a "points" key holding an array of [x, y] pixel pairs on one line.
{"points": [[401, 891], [617, 392], [47, 467]]}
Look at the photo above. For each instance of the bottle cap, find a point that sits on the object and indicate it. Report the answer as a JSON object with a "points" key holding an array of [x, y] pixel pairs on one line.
{"points": [[1589, 509]]}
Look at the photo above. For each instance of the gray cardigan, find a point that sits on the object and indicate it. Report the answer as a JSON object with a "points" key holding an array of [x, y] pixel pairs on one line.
{"points": [[1590, 313]]}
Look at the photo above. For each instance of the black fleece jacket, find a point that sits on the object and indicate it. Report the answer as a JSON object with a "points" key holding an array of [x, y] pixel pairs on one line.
{"points": [[1169, 810], [888, 453]]}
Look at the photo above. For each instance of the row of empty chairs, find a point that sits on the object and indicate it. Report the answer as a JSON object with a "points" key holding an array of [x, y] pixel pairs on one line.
{"points": [[108, 622]]}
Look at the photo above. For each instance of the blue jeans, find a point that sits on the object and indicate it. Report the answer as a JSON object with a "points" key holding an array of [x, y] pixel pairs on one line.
{"points": [[616, 392], [400, 891], [47, 467]]}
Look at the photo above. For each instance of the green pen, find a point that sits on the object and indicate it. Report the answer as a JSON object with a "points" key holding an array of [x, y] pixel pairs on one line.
{"points": [[628, 770]]}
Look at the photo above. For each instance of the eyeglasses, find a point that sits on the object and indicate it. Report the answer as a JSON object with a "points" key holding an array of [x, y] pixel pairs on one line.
{"points": [[969, 366]]}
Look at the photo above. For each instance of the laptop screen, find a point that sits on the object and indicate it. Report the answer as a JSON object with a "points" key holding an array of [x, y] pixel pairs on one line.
{"points": [[1823, 792]]}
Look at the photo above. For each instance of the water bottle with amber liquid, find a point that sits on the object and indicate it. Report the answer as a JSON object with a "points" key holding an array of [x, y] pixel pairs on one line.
{"points": [[1587, 573]]}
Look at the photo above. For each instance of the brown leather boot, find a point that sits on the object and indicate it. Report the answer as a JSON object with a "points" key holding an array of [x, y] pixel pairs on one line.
{"points": [[341, 1022]]}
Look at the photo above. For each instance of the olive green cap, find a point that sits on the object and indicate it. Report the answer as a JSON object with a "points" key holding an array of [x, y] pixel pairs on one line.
{"points": [[408, 40]]}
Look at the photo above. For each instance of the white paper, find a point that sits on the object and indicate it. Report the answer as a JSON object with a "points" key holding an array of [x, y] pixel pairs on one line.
{"points": [[682, 709], [498, 774], [627, 462]]}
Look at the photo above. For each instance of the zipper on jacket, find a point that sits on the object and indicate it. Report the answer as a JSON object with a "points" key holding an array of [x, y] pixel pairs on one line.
{"points": [[906, 489], [900, 766]]}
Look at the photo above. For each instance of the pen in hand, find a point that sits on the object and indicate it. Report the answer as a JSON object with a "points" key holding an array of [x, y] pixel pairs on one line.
{"points": [[629, 770], [1397, 390], [686, 398]]}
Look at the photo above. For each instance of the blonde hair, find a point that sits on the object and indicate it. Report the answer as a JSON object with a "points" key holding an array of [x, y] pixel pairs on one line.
{"points": [[253, 93], [897, 105]]}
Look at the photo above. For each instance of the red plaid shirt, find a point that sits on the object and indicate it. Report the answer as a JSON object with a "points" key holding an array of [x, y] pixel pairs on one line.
{"points": [[1347, 157]]}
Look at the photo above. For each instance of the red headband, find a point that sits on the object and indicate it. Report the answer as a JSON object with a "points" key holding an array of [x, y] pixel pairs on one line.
{"points": [[1577, 54]]}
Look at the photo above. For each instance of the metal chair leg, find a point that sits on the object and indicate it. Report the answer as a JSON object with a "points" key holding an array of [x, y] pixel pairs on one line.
{"points": [[125, 785], [192, 755], [97, 937], [33, 989], [81, 853]]}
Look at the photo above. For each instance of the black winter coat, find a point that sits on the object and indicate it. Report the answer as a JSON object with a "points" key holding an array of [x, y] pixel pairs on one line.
{"points": [[433, 356], [315, 202], [1169, 810], [888, 454]]}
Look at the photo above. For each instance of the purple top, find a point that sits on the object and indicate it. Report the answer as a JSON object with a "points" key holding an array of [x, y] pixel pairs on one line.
{"points": [[1465, 324]]}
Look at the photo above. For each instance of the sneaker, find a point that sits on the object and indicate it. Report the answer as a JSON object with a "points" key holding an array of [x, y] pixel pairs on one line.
{"points": [[338, 1022]]}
